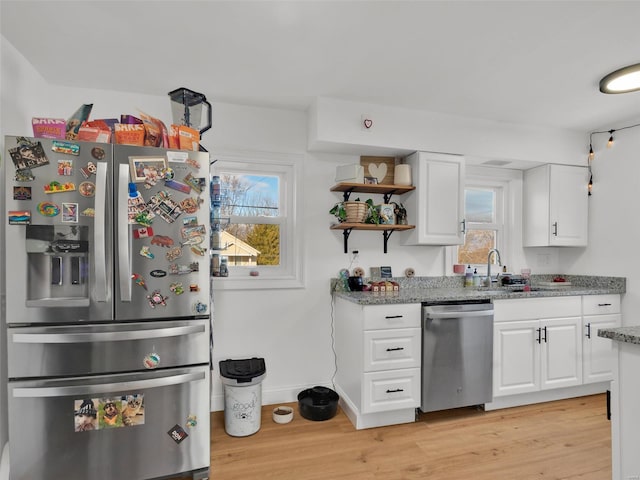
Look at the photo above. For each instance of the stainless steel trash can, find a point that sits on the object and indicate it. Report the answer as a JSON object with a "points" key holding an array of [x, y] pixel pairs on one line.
{"points": [[242, 380]]}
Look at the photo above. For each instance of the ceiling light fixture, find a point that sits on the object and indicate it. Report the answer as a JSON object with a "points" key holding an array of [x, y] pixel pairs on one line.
{"points": [[624, 80]]}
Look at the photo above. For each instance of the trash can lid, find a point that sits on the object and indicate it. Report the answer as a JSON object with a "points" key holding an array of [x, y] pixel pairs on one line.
{"points": [[243, 370]]}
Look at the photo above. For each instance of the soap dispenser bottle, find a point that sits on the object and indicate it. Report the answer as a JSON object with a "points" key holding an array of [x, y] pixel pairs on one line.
{"points": [[468, 277], [476, 278]]}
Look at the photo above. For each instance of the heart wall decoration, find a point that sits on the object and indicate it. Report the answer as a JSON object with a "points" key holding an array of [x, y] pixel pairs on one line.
{"points": [[368, 123], [382, 168]]}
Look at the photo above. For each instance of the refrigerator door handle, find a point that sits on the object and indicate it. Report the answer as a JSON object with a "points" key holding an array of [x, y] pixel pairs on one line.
{"points": [[88, 337], [100, 237], [86, 390], [124, 260]]}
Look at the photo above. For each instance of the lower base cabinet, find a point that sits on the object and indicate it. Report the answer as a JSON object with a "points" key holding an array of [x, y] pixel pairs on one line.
{"points": [[378, 349], [552, 343]]}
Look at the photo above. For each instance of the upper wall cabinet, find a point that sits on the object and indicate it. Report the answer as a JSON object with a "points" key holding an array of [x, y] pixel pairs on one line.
{"points": [[555, 206], [437, 203]]}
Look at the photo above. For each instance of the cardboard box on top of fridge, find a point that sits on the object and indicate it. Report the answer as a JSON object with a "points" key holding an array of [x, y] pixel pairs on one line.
{"points": [[49, 127], [350, 173], [95, 131]]}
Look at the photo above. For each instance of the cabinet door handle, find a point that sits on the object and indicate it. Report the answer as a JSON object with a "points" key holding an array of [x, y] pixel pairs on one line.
{"points": [[589, 330], [555, 228], [464, 226], [539, 338], [389, 317], [396, 390], [545, 334], [395, 349], [604, 304]]}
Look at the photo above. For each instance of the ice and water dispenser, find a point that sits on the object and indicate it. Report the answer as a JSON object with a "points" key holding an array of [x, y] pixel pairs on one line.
{"points": [[58, 264]]}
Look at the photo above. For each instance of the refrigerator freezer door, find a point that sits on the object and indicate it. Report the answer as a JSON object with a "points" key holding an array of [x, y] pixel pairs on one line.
{"points": [[134, 426], [58, 260], [106, 348], [162, 268]]}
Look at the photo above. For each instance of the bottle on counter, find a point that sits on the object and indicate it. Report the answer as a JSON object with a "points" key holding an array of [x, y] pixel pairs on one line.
{"points": [[476, 278], [468, 277]]}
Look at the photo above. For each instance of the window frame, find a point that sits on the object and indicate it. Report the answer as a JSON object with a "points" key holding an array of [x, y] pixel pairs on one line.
{"points": [[288, 168], [503, 181]]}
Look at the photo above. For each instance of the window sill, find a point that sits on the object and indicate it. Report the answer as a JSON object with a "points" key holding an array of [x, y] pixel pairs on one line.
{"points": [[254, 283]]}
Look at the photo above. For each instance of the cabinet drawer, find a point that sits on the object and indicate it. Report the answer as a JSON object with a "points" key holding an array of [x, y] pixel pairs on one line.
{"points": [[600, 304], [391, 390], [402, 315], [536, 308], [391, 349]]}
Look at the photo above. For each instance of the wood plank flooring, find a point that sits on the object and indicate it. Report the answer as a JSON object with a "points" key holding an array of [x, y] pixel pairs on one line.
{"points": [[567, 439]]}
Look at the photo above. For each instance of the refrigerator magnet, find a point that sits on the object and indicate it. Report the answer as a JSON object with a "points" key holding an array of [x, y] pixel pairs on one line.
{"points": [[48, 209], [177, 433], [175, 185], [69, 212], [22, 193], [139, 279], [143, 232], [19, 217], [97, 153], [87, 189], [156, 298], [89, 170], [200, 308], [28, 156], [65, 168], [162, 240], [192, 421], [67, 148], [151, 361], [146, 252], [24, 175], [173, 254], [177, 288]]}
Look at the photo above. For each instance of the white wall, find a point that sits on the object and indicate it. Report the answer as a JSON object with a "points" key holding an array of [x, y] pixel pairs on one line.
{"points": [[614, 226], [22, 90]]}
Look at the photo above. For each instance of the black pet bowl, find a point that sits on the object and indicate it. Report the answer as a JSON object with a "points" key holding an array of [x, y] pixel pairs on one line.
{"points": [[318, 403]]}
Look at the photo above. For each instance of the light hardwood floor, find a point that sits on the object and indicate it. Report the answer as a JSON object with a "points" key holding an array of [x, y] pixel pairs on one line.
{"points": [[567, 439]]}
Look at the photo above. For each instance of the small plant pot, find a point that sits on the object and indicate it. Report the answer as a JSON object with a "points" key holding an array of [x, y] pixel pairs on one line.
{"points": [[356, 211], [282, 414]]}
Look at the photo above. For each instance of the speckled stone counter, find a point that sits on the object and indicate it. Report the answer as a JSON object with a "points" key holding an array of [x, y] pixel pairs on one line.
{"points": [[439, 289], [621, 334]]}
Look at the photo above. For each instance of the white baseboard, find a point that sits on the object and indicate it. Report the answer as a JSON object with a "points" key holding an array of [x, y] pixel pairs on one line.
{"points": [[269, 397], [546, 396]]}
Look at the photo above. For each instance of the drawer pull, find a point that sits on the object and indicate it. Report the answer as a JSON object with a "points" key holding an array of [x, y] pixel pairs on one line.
{"points": [[396, 390], [395, 349], [604, 304], [388, 317]]}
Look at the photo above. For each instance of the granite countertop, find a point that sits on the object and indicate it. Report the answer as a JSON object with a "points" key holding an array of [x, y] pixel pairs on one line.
{"points": [[438, 289], [621, 334]]}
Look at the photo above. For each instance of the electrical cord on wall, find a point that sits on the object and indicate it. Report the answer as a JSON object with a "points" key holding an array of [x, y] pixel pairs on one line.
{"points": [[333, 342]]}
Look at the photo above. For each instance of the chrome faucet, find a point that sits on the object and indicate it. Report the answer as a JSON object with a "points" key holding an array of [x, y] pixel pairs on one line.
{"points": [[493, 250]]}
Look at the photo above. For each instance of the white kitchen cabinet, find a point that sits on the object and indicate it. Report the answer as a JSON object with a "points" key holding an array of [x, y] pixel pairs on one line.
{"points": [[599, 311], [437, 204], [537, 345], [555, 206], [378, 351]]}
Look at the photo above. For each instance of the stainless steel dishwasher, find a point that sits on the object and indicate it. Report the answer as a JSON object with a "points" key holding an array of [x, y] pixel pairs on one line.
{"points": [[457, 354]]}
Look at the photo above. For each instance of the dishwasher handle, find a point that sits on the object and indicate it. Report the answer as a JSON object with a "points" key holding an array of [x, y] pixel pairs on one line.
{"points": [[431, 314]]}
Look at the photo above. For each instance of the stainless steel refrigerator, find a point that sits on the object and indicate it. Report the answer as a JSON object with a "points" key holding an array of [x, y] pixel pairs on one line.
{"points": [[107, 310]]}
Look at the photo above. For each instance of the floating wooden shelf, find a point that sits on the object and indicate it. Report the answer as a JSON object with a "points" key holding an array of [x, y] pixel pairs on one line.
{"points": [[386, 230], [386, 190]]}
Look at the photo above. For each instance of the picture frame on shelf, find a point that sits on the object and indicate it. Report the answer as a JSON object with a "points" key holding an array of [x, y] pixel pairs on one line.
{"points": [[370, 181]]}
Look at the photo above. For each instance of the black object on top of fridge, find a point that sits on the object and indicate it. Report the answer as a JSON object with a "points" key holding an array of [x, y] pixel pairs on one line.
{"points": [[107, 310]]}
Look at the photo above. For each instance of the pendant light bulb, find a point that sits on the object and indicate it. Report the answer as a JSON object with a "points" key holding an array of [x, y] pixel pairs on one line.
{"points": [[591, 154], [590, 184], [610, 142]]}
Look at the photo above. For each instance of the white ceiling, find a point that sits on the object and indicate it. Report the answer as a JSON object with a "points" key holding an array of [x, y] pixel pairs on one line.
{"points": [[526, 62]]}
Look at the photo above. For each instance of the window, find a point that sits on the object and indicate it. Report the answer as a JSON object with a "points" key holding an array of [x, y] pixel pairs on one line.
{"points": [[260, 227], [483, 222]]}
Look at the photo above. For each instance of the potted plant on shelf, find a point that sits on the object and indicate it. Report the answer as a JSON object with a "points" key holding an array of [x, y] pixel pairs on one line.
{"points": [[355, 211]]}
